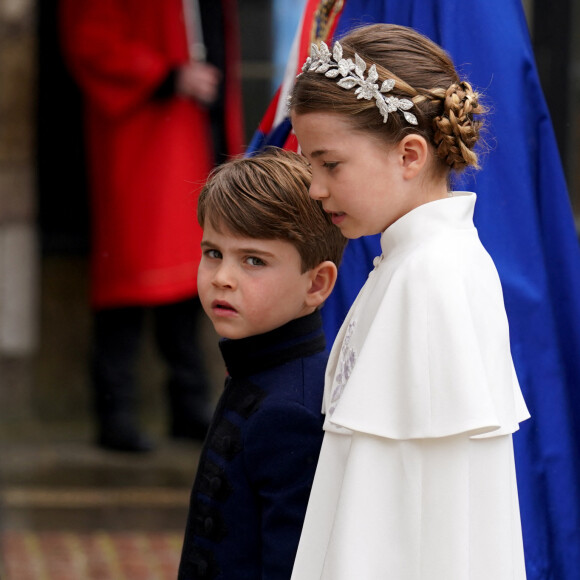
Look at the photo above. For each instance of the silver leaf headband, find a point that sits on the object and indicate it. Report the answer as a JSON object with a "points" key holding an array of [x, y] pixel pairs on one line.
{"points": [[321, 60]]}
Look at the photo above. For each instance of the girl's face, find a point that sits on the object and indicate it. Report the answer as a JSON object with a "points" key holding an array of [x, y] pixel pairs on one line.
{"points": [[359, 180]]}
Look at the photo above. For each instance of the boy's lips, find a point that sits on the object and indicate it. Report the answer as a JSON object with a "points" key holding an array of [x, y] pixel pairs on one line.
{"points": [[222, 308]]}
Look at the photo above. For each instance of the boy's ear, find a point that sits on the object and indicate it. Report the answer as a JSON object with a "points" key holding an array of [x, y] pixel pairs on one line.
{"points": [[322, 280]]}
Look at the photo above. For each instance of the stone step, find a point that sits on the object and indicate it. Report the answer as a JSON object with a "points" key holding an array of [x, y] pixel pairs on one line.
{"points": [[72, 464], [73, 485]]}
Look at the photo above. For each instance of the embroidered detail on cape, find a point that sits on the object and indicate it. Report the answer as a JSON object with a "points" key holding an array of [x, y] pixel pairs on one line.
{"points": [[346, 362]]}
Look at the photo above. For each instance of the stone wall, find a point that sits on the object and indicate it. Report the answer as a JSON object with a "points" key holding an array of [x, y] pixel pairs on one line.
{"points": [[18, 247]]}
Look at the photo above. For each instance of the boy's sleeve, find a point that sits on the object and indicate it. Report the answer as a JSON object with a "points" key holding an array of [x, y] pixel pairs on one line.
{"points": [[282, 447]]}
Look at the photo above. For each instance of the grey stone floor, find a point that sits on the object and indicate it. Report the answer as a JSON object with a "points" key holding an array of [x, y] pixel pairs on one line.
{"points": [[72, 511], [54, 479]]}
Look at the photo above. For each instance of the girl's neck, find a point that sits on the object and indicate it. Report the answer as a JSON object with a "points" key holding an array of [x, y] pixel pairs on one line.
{"points": [[432, 190]]}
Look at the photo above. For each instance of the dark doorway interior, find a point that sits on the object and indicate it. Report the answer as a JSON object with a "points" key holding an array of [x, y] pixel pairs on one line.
{"points": [[62, 187]]}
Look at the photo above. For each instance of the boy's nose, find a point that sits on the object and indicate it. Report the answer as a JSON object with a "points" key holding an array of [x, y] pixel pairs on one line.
{"points": [[223, 277]]}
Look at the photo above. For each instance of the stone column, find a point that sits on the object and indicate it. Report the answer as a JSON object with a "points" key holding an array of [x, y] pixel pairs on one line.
{"points": [[18, 245]]}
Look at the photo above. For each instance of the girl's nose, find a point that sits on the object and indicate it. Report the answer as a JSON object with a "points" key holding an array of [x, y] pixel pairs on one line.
{"points": [[317, 189]]}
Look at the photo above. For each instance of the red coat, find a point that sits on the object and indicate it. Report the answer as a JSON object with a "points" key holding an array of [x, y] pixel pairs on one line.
{"points": [[147, 157]]}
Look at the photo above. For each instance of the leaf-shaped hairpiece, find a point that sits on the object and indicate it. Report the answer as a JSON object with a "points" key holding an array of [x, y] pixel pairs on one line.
{"points": [[332, 64]]}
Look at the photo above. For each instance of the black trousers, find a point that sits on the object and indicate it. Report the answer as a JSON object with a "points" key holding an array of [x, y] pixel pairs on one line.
{"points": [[117, 340]]}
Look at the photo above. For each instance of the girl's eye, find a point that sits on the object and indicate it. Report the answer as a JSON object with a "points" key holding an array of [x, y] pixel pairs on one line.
{"points": [[253, 261], [212, 254]]}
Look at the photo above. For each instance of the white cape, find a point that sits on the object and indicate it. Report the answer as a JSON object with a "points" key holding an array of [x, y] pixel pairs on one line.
{"points": [[416, 477]]}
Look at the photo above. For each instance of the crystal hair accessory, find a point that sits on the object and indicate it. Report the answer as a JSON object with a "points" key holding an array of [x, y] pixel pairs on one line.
{"points": [[331, 64]]}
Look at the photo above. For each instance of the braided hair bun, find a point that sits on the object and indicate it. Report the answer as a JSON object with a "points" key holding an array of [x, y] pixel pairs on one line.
{"points": [[457, 129]]}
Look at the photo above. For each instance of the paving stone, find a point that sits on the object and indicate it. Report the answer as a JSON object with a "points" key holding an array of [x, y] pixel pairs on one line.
{"points": [[98, 555]]}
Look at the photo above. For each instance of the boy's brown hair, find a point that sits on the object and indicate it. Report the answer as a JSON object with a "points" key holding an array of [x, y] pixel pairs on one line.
{"points": [[266, 197]]}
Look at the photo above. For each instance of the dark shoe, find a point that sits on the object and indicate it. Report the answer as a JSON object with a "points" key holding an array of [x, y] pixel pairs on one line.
{"points": [[123, 437], [194, 429], [136, 444]]}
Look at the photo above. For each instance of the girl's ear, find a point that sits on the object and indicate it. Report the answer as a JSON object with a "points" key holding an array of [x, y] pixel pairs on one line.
{"points": [[322, 280], [414, 153]]}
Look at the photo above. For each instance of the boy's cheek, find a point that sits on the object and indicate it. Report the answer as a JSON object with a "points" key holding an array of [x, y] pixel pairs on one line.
{"points": [[202, 287]]}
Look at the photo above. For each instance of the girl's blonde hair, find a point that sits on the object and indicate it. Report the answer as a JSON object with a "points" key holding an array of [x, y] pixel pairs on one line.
{"points": [[447, 109]]}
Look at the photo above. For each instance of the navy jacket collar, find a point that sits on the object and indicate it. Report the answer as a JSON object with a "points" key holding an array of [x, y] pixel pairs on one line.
{"points": [[296, 339]]}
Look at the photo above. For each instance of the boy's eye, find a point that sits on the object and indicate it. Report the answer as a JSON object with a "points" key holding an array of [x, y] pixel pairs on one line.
{"points": [[212, 254], [253, 261], [330, 165]]}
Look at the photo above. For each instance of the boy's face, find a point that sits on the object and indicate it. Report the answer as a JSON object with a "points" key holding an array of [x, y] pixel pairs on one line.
{"points": [[250, 286]]}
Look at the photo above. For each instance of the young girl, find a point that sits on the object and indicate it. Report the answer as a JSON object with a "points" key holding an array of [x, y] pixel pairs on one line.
{"points": [[416, 478]]}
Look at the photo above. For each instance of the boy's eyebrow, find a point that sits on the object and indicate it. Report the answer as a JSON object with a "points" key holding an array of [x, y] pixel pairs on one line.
{"points": [[249, 250], [255, 251], [318, 152]]}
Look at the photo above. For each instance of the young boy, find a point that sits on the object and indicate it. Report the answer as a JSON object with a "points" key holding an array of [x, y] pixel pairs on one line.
{"points": [[270, 257]]}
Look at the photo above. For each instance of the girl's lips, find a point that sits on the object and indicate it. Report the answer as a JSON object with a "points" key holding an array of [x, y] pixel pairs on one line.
{"points": [[337, 217]]}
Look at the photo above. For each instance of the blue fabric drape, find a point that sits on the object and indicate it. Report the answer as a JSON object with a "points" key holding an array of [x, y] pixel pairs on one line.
{"points": [[524, 219]]}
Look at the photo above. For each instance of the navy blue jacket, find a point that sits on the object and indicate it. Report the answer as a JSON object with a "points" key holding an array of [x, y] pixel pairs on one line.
{"points": [[258, 462]]}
